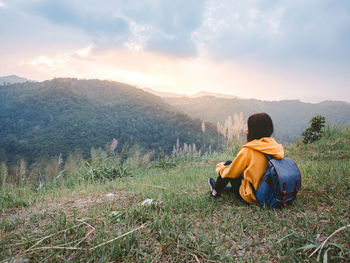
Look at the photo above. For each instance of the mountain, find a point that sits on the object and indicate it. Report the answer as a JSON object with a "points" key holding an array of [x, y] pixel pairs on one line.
{"points": [[197, 95], [164, 94], [290, 117], [212, 94], [64, 115], [12, 79]]}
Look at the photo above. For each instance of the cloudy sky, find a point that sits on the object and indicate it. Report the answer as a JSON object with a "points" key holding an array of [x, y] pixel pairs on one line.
{"points": [[271, 50]]}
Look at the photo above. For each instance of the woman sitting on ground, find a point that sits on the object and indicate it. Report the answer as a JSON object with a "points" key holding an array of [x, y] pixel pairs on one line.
{"points": [[246, 170]]}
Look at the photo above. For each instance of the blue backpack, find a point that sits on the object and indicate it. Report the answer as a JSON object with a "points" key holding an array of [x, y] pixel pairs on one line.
{"points": [[280, 183]]}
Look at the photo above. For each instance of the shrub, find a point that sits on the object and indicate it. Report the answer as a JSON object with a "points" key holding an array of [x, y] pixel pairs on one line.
{"points": [[103, 165], [315, 131]]}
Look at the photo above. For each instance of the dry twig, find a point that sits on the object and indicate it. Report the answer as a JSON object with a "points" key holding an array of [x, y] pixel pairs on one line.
{"points": [[42, 239], [320, 247], [161, 187], [93, 230], [195, 256], [32, 249], [109, 241], [155, 186], [49, 256]]}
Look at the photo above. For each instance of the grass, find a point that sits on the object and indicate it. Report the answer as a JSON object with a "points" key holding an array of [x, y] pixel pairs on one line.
{"points": [[104, 221]]}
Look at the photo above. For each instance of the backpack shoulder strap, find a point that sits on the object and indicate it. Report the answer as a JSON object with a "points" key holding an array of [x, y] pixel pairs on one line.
{"points": [[269, 157]]}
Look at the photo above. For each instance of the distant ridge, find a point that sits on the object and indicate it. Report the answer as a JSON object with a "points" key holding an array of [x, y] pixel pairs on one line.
{"points": [[164, 94], [212, 94], [12, 79], [197, 95], [290, 117]]}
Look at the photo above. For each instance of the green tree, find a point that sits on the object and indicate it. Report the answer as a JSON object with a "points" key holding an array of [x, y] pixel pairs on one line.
{"points": [[314, 132]]}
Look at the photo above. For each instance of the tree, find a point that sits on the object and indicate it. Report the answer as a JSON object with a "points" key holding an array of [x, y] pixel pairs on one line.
{"points": [[314, 132]]}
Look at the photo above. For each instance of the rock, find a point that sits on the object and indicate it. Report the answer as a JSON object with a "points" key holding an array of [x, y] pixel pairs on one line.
{"points": [[147, 201]]}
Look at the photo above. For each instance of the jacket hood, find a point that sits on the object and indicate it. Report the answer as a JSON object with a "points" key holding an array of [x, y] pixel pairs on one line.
{"points": [[266, 145]]}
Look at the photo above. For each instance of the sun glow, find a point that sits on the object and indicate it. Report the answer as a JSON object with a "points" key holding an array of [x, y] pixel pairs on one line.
{"points": [[166, 73], [144, 69]]}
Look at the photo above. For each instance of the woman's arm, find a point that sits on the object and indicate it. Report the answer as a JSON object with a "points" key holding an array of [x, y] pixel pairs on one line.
{"points": [[237, 167]]}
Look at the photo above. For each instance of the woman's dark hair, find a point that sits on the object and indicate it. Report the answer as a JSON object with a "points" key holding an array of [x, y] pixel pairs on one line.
{"points": [[259, 125]]}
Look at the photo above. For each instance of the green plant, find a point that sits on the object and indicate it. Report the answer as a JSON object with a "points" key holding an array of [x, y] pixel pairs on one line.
{"points": [[103, 165], [314, 132], [166, 163], [4, 174]]}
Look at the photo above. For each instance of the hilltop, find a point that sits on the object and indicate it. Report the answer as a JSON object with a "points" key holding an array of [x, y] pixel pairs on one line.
{"points": [[60, 116], [11, 79], [77, 217]]}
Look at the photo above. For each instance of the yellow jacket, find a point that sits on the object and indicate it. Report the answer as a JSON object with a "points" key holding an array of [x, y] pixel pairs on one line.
{"points": [[251, 162]]}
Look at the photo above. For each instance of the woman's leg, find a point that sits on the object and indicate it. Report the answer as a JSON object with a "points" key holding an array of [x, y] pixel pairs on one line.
{"points": [[221, 183], [236, 184]]}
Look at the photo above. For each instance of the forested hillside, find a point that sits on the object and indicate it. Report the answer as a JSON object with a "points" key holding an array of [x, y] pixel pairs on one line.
{"points": [[64, 115], [290, 116]]}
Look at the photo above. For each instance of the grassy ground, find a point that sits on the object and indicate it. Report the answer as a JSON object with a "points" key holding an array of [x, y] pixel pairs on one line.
{"points": [[104, 221]]}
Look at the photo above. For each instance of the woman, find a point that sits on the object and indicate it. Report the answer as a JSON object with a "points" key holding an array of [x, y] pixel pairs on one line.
{"points": [[246, 170]]}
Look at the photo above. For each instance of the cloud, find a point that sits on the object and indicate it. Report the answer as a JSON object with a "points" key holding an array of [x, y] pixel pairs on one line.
{"points": [[277, 30], [57, 12], [121, 65], [223, 29], [165, 26], [2, 4], [84, 52], [56, 62], [49, 63], [103, 27], [181, 45], [169, 16]]}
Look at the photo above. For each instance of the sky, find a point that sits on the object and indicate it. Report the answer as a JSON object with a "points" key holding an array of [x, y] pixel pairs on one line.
{"points": [[269, 50]]}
